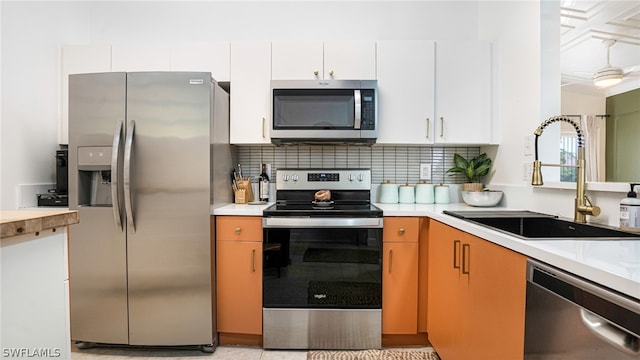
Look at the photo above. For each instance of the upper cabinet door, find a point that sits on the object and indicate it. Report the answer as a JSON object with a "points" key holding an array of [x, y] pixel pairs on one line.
{"points": [[79, 59], [251, 99], [463, 92], [296, 60], [209, 57], [344, 60], [140, 58], [406, 92], [350, 60]]}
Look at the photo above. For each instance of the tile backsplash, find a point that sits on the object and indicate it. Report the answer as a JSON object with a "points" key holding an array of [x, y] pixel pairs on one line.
{"points": [[396, 163]]}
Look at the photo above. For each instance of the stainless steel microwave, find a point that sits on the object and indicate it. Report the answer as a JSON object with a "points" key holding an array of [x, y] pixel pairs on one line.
{"points": [[324, 111]]}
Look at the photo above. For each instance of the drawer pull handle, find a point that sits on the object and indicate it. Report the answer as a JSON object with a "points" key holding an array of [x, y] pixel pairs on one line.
{"points": [[466, 258], [238, 230], [456, 249], [253, 260], [401, 231]]}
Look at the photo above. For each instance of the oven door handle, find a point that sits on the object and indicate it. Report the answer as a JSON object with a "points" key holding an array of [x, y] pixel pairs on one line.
{"points": [[314, 222]]}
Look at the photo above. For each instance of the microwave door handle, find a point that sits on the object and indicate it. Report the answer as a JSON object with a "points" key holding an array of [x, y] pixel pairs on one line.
{"points": [[358, 109]]}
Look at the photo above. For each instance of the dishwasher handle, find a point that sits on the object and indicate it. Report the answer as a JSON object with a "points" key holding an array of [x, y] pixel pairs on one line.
{"points": [[613, 335]]}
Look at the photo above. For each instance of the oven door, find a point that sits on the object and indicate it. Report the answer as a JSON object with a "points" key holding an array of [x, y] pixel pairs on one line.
{"points": [[322, 263], [322, 283]]}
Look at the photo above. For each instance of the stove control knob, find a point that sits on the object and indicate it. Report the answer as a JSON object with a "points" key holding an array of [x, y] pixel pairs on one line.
{"points": [[351, 177], [361, 177], [285, 177], [295, 177]]}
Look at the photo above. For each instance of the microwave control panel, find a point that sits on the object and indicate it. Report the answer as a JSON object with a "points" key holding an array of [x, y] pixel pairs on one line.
{"points": [[368, 110]]}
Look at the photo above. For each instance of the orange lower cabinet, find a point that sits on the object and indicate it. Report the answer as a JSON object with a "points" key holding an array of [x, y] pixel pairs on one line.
{"points": [[476, 298], [239, 287], [497, 289], [400, 288], [444, 280]]}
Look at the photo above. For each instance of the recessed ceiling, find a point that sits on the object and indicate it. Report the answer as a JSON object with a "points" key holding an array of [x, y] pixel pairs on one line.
{"points": [[584, 25]]}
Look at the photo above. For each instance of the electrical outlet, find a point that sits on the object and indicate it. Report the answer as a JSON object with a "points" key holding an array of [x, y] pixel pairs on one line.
{"points": [[425, 171], [527, 171], [528, 145]]}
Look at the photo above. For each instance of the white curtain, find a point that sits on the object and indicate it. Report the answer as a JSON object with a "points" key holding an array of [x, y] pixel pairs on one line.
{"points": [[594, 128]]}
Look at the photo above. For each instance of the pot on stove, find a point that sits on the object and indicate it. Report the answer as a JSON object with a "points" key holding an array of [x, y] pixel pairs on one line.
{"points": [[322, 195], [389, 192]]}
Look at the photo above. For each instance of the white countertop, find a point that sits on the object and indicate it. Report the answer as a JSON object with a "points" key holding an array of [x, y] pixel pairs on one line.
{"points": [[613, 264], [241, 209]]}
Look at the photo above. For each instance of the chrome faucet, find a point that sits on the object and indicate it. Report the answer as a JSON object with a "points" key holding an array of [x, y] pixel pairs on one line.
{"points": [[583, 205]]}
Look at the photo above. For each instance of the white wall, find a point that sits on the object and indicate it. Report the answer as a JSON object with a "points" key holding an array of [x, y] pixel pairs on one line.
{"points": [[32, 33]]}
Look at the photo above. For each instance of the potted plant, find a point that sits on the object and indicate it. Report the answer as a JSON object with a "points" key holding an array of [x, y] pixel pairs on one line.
{"points": [[472, 170]]}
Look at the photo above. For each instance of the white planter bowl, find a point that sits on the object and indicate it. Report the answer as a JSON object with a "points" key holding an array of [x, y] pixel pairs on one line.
{"points": [[482, 198]]}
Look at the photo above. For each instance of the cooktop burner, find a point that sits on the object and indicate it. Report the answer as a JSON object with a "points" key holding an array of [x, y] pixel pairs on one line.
{"points": [[351, 210], [350, 193]]}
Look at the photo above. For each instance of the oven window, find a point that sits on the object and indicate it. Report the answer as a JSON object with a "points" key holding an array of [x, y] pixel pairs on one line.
{"points": [[322, 268], [313, 109]]}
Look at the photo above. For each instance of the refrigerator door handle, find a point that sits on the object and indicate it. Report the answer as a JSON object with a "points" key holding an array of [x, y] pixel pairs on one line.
{"points": [[115, 155], [128, 150]]}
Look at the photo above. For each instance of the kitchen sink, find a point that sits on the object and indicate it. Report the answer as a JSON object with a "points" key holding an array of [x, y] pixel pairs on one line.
{"points": [[530, 225]]}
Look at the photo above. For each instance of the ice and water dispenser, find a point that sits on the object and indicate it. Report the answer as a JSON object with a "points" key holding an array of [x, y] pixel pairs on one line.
{"points": [[94, 176]]}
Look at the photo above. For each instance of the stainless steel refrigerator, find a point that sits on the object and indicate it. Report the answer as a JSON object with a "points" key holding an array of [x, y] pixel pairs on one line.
{"points": [[148, 156]]}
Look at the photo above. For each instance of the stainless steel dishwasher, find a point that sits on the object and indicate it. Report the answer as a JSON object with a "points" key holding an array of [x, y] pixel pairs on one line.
{"points": [[568, 317]]}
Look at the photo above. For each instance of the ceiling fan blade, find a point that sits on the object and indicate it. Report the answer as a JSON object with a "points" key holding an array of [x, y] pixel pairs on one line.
{"points": [[632, 71]]}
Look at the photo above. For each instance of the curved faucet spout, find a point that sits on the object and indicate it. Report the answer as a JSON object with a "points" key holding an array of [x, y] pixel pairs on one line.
{"points": [[553, 119], [582, 205]]}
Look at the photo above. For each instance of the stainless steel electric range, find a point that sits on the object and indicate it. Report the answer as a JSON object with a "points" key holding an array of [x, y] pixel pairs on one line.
{"points": [[322, 275]]}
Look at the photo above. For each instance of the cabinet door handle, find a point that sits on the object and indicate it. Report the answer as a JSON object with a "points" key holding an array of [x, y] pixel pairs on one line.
{"points": [[466, 258], [263, 126], [441, 127], [315, 72], [390, 259], [428, 128], [331, 73], [456, 258], [238, 230], [253, 260]]}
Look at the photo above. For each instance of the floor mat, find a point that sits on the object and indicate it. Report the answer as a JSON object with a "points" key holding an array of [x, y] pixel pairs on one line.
{"points": [[387, 354]]}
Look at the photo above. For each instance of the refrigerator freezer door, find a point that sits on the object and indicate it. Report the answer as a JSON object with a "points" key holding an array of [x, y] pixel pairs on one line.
{"points": [[169, 255], [97, 246]]}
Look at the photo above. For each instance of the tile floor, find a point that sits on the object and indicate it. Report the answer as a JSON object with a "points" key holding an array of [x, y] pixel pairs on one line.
{"points": [[221, 353]]}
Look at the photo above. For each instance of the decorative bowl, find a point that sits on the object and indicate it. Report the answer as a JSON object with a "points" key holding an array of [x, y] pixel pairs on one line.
{"points": [[482, 198]]}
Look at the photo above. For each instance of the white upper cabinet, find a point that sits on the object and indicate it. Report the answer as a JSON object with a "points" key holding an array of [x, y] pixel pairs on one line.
{"points": [[79, 59], [344, 60], [406, 92], [350, 60], [207, 57], [434, 97], [250, 93], [463, 92], [140, 58], [297, 60]]}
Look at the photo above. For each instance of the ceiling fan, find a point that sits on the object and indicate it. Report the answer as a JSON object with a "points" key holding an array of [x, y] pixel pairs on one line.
{"points": [[612, 75]]}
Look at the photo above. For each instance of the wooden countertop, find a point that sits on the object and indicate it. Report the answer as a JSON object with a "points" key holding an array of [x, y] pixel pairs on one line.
{"points": [[20, 222]]}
